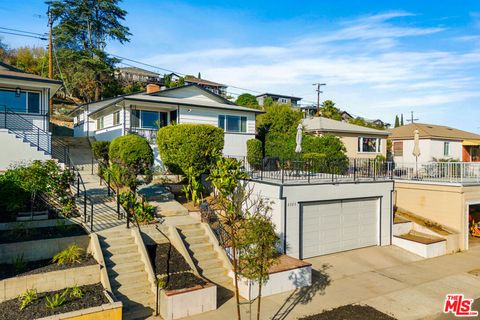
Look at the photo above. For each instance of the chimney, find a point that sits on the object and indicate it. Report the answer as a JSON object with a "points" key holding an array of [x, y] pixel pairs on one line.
{"points": [[151, 88]]}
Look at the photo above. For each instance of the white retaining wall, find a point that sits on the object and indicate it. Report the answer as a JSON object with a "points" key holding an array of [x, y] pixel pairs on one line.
{"points": [[424, 250], [175, 305]]}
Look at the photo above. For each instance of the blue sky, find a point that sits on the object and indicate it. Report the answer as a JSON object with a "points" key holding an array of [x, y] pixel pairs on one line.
{"points": [[378, 58]]}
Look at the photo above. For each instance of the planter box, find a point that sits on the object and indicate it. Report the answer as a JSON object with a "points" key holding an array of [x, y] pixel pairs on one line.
{"points": [[49, 281], [289, 274], [39, 249], [424, 250], [109, 311], [177, 304]]}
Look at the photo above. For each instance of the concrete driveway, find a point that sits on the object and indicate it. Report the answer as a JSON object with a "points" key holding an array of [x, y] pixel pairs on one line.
{"points": [[387, 278]]}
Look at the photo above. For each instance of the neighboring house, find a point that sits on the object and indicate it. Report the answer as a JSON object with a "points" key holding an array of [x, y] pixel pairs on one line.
{"points": [[308, 110], [134, 74], [143, 113], [436, 142], [214, 87], [293, 101], [24, 116], [346, 117], [360, 142]]}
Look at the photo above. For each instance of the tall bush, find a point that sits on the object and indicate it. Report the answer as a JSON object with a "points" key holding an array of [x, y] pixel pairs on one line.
{"points": [[131, 161], [100, 151], [185, 146], [254, 153]]}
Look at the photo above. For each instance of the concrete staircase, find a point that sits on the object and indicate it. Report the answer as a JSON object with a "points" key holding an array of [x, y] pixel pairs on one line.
{"points": [[206, 259], [127, 274]]}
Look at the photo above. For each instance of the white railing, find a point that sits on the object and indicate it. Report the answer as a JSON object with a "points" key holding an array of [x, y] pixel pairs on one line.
{"points": [[446, 172]]}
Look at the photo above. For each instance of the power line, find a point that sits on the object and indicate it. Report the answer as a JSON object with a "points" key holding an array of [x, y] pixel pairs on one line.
{"points": [[23, 35], [22, 31]]}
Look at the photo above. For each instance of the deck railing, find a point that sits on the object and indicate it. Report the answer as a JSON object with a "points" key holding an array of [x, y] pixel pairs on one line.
{"points": [[298, 171]]}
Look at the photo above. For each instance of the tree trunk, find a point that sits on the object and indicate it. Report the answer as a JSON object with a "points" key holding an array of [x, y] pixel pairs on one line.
{"points": [[259, 298], [98, 89], [235, 272]]}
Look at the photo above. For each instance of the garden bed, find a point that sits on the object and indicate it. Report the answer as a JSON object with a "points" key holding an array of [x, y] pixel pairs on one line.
{"points": [[350, 312], [41, 266], [167, 260], [93, 296], [30, 234]]}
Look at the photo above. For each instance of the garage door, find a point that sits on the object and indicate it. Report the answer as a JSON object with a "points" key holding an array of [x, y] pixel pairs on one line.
{"points": [[329, 227]]}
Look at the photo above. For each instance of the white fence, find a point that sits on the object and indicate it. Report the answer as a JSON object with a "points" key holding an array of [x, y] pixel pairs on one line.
{"points": [[446, 172]]}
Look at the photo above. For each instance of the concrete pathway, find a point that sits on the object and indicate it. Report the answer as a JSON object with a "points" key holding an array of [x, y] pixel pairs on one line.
{"points": [[388, 278]]}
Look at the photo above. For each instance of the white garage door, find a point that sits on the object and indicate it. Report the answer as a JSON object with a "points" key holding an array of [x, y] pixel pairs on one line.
{"points": [[335, 226]]}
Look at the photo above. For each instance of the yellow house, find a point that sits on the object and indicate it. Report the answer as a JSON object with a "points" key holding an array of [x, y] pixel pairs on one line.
{"points": [[360, 142]]}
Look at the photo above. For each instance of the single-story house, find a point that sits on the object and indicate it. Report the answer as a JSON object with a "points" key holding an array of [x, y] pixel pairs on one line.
{"points": [[439, 142], [24, 116], [360, 142], [145, 112]]}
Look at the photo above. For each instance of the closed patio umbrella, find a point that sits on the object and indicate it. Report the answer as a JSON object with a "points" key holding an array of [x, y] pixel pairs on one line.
{"points": [[298, 139], [416, 149]]}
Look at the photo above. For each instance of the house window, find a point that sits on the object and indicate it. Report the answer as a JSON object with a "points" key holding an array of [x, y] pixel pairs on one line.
{"points": [[446, 148], [116, 118], [368, 144], [398, 148], [232, 123], [149, 119], [25, 101], [100, 123]]}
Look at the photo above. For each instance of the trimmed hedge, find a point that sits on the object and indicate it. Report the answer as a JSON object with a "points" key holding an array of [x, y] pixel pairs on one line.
{"points": [[189, 145], [254, 153], [100, 150], [130, 156]]}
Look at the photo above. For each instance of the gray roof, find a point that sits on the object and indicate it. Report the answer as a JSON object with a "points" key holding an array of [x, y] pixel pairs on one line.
{"points": [[157, 98], [322, 124]]}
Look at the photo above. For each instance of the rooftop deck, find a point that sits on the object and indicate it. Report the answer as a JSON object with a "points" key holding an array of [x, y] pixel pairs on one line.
{"points": [[361, 170]]}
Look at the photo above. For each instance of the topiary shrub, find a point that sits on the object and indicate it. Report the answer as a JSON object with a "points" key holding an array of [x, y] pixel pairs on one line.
{"points": [[254, 153], [189, 145], [100, 151], [131, 157]]}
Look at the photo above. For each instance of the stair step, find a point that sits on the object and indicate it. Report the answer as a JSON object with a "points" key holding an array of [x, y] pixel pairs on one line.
{"points": [[193, 233], [118, 241], [209, 264], [189, 226], [201, 247], [197, 239], [120, 249], [214, 272], [129, 287], [224, 281], [126, 267], [126, 277], [139, 296], [207, 255], [137, 312], [123, 258]]}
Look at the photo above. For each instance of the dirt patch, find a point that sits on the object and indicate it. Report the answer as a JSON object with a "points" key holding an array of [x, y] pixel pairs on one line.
{"points": [[166, 259], [93, 297], [183, 280], [41, 266], [30, 234], [350, 312]]}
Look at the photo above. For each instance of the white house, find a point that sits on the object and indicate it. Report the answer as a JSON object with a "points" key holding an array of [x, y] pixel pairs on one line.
{"points": [[439, 142], [24, 116], [144, 113]]}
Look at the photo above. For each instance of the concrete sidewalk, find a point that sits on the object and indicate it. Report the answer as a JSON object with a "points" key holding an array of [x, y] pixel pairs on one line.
{"points": [[387, 278]]}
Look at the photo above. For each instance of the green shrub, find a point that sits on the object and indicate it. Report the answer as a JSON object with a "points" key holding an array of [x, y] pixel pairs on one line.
{"points": [[131, 157], [194, 187], [56, 300], [189, 145], [76, 292], [100, 150], [19, 263], [254, 153], [144, 213], [70, 255], [27, 298]]}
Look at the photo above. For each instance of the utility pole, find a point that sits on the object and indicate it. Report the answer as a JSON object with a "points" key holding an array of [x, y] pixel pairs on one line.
{"points": [[318, 85], [50, 55], [411, 120]]}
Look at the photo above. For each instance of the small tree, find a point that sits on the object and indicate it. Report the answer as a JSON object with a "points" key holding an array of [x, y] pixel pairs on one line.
{"points": [[254, 153], [258, 248], [100, 151], [247, 100], [231, 198], [131, 161], [397, 121], [401, 119]]}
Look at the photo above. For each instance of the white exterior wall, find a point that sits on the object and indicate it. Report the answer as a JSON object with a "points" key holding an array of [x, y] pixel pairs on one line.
{"points": [[235, 143], [288, 199], [429, 149], [14, 150]]}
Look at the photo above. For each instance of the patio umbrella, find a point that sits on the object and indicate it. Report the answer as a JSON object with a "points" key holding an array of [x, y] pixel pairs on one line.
{"points": [[416, 149], [298, 139]]}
